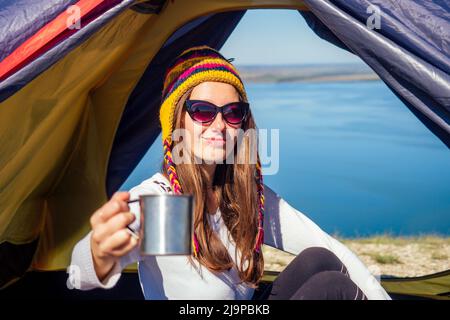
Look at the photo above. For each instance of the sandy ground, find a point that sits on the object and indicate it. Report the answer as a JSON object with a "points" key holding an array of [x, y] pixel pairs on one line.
{"points": [[404, 257]]}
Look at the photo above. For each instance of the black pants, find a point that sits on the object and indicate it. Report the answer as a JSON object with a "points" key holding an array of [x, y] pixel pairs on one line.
{"points": [[315, 274]]}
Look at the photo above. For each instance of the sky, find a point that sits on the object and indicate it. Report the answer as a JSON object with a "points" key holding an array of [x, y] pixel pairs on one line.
{"points": [[279, 36]]}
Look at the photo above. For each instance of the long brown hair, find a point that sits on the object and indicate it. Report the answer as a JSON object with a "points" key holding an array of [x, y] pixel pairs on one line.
{"points": [[235, 188]]}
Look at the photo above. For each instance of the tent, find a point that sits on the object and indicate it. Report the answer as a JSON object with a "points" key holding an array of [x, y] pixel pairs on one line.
{"points": [[80, 83]]}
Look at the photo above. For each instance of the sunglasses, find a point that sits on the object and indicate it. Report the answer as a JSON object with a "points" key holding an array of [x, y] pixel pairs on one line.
{"points": [[205, 112]]}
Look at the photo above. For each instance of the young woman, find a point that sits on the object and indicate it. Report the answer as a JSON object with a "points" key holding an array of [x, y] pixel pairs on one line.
{"points": [[204, 102]]}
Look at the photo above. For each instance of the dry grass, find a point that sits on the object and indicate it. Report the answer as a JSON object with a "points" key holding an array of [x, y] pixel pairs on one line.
{"points": [[387, 255]]}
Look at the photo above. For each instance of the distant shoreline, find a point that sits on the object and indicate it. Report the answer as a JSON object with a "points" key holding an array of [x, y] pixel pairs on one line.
{"points": [[307, 73]]}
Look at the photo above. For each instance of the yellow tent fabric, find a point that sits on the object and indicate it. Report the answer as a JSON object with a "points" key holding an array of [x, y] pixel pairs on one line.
{"points": [[436, 286], [57, 132]]}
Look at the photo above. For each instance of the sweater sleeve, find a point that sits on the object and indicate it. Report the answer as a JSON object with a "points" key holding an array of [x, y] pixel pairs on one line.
{"points": [[288, 229], [81, 271]]}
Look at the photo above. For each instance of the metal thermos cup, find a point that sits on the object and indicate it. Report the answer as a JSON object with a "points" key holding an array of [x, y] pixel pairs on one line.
{"points": [[166, 224]]}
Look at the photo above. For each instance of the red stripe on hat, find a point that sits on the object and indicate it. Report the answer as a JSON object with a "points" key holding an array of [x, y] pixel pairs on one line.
{"points": [[189, 71], [183, 59]]}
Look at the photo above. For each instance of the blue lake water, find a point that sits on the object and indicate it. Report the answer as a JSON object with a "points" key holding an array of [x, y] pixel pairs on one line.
{"points": [[352, 157]]}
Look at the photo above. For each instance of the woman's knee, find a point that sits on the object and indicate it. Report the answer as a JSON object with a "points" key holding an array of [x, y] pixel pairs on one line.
{"points": [[327, 279], [317, 259], [308, 263], [329, 285]]}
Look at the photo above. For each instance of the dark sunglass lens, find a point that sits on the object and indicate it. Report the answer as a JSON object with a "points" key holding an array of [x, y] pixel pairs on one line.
{"points": [[234, 113], [202, 112]]}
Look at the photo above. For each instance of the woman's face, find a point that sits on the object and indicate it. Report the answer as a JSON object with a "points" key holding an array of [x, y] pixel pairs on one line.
{"points": [[208, 141]]}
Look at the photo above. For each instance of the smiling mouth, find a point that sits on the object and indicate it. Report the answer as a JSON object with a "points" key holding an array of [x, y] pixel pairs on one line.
{"points": [[215, 141]]}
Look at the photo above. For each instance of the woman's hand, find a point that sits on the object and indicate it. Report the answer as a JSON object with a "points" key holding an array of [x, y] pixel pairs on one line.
{"points": [[111, 238]]}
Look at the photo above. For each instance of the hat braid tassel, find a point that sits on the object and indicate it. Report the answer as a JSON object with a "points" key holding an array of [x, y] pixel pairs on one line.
{"points": [[173, 178], [260, 189]]}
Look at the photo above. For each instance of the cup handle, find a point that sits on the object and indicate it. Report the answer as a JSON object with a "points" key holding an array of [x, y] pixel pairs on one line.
{"points": [[130, 231]]}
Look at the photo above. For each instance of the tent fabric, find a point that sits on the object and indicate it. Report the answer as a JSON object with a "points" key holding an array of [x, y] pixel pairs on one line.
{"points": [[20, 19], [52, 33], [56, 51], [78, 115], [430, 286], [410, 52], [15, 259]]}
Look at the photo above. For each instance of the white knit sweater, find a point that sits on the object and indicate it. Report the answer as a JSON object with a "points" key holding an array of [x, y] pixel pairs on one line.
{"points": [[173, 277]]}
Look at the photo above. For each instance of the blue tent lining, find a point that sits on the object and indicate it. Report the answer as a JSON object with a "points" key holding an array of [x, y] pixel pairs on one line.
{"points": [[405, 23]]}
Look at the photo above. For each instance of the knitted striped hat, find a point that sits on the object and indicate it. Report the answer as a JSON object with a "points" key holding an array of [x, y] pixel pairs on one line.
{"points": [[192, 67]]}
